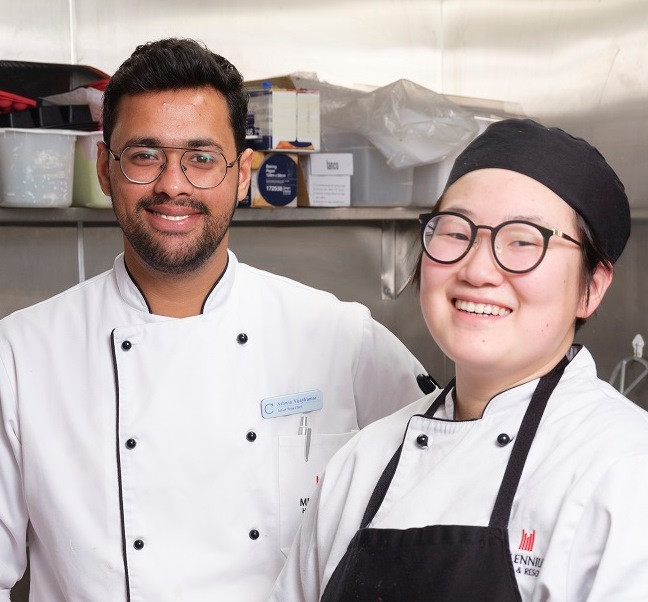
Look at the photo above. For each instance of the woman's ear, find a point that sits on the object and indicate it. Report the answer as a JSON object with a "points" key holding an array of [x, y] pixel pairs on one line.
{"points": [[592, 298]]}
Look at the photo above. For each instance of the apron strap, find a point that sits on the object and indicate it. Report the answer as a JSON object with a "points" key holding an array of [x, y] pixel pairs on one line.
{"points": [[386, 477], [528, 428]]}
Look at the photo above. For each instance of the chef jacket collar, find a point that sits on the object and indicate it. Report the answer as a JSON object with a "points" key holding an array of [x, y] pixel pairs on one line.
{"points": [[133, 296], [519, 396], [516, 398]]}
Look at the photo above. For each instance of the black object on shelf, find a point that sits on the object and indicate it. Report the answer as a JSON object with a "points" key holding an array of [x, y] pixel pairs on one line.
{"points": [[68, 117], [35, 80]]}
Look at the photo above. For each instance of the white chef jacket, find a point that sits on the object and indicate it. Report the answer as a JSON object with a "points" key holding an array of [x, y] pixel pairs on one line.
{"points": [[579, 525], [133, 449]]}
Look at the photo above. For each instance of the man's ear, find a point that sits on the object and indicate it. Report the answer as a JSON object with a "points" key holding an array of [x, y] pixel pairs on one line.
{"points": [[601, 280], [245, 173], [103, 160]]}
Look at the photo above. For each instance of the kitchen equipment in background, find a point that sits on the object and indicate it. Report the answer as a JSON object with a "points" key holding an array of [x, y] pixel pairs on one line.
{"points": [[86, 191], [621, 368], [50, 95], [373, 183], [36, 167], [36, 80], [10, 102]]}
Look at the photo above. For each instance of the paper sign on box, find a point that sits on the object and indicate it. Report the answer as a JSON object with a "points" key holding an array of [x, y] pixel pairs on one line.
{"points": [[326, 180]]}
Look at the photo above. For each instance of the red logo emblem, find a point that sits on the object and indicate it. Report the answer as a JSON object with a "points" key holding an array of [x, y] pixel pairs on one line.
{"points": [[527, 541]]}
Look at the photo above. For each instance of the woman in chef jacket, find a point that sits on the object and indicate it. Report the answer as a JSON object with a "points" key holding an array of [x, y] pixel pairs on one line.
{"points": [[526, 477]]}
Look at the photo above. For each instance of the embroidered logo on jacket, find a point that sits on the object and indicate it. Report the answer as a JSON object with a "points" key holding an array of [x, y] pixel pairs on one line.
{"points": [[527, 564], [527, 541]]}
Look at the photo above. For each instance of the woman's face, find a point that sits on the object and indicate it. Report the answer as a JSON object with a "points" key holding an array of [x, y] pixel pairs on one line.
{"points": [[528, 322]]}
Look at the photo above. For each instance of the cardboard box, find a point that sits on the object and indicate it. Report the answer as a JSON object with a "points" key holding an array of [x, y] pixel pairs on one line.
{"points": [[326, 180], [283, 119], [274, 180]]}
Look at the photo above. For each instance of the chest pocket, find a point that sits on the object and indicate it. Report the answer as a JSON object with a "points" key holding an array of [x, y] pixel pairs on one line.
{"points": [[298, 478]]}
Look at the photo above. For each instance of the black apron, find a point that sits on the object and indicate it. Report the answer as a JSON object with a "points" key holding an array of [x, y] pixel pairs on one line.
{"points": [[440, 563]]}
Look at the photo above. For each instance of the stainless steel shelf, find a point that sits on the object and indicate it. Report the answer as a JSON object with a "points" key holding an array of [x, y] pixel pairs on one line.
{"points": [[73, 216], [395, 224]]}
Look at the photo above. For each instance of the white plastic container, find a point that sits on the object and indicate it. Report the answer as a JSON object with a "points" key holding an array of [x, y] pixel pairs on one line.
{"points": [[86, 191], [430, 180], [36, 167], [373, 183]]}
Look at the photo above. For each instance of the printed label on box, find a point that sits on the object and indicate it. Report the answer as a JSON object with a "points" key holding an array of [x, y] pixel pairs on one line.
{"points": [[329, 191], [274, 180], [278, 180], [340, 164]]}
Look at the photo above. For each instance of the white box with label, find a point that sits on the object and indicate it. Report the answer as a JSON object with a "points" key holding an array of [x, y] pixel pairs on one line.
{"points": [[286, 120], [327, 180]]}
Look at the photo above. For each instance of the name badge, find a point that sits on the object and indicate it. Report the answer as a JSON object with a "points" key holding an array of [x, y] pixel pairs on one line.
{"points": [[293, 403]]}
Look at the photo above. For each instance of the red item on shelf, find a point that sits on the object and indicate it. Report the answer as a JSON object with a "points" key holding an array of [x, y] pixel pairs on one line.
{"points": [[13, 102]]}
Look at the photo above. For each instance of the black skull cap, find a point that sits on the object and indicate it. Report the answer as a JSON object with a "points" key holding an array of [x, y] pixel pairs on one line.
{"points": [[569, 166]]}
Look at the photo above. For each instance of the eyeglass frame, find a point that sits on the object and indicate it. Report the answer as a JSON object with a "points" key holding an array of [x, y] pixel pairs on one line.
{"points": [[118, 158], [547, 233]]}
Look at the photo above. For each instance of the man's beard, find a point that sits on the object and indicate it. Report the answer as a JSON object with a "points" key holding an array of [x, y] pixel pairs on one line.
{"points": [[186, 258]]}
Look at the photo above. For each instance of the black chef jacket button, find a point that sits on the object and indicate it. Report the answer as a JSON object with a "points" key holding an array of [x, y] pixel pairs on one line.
{"points": [[131, 443], [503, 439], [422, 441], [251, 436], [254, 534], [242, 338], [126, 345], [138, 544]]}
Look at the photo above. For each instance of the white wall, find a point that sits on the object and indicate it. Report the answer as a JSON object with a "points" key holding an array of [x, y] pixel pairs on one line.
{"points": [[580, 64]]}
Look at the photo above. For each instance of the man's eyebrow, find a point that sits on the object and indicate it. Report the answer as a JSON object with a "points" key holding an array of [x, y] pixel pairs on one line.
{"points": [[142, 141], [202, 142], [196, 143]]}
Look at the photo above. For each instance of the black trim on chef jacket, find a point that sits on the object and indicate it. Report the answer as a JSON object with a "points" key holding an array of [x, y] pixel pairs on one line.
{"points": [[118, 446], [446, 563], [119, 477], [209, 292], [137, 286]]}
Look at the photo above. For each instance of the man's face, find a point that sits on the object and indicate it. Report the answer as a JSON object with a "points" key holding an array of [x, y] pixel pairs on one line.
{"points": [[170, 224]]}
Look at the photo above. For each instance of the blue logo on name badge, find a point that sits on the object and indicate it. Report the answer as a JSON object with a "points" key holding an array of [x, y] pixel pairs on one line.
{"points": [[293, 403]]}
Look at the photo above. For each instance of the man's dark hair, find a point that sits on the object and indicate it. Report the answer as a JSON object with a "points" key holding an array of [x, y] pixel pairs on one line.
{"points": [[176, 64]]}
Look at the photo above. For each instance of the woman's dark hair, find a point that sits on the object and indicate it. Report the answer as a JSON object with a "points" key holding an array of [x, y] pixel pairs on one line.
{"points": [[592, 255], [176, 64]]}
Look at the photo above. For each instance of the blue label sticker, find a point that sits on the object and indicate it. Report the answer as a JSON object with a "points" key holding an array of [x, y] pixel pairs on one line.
{"points": [[293, 403], [277, 179]]}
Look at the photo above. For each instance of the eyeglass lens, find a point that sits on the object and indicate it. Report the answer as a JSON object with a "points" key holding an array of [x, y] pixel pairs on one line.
{"points": [[204, 169], [518, 246]]}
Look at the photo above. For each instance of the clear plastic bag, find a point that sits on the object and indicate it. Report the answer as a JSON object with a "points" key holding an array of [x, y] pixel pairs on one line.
{"points": [[332, 96], [409, 124]]}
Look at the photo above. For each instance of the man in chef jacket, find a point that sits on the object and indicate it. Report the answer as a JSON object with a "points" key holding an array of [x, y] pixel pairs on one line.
{"points": [[164, 424]]}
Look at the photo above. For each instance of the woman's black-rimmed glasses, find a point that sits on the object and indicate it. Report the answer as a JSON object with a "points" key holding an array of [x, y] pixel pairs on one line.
{"points": [[518, 245]]}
